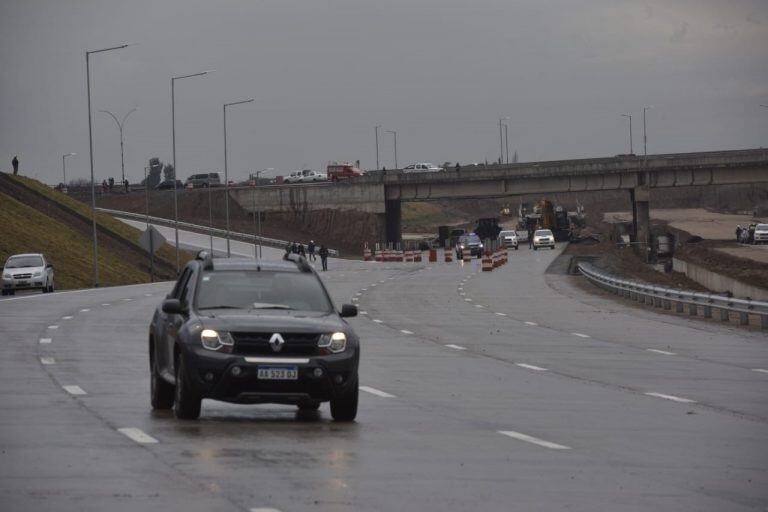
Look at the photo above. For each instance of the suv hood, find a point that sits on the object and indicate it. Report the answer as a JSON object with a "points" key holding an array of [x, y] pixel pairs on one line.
{"points": [[23, 270], [244, 321]]}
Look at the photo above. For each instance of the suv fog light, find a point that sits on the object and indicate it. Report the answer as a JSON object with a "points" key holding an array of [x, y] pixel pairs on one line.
{"points": [[236, 371], [209, 376], [337, 379], [317, 372]]}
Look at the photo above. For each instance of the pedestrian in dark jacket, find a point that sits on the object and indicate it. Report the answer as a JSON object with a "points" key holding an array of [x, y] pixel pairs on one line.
{"points": [[301, 250], [738, 233], [295, 248], [323, 252], [288, 248], [311, 250]]}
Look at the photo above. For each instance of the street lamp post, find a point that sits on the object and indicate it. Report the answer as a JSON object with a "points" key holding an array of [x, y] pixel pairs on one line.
{"points": [[90, 148], [394, 134], [151, 251], [120, 125], [376, 130], [631, 151], [210, 215], [256, 183], [64, 166], [506, 142], [645, 137], [501, 140], [226, 175], [175, 170]]}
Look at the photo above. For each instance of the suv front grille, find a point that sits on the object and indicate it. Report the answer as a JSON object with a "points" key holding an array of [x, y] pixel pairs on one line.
{"points": [[257, 343], [22, 276]]}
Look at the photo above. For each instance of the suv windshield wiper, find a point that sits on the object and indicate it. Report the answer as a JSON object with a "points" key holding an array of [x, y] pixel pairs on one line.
{"points": [[264, 305], [220, 307]]}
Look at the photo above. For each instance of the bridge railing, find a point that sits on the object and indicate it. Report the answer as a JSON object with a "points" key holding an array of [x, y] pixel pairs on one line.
{"points": [[271, 242], [665, 298]]}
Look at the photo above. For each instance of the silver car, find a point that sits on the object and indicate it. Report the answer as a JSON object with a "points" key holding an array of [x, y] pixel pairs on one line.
{"points": [[27, 271], [543, 238]]}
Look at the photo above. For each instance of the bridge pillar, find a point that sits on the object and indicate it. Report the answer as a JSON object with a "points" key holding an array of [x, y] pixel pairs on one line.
{"points": [[641, 220], [392, 220]]}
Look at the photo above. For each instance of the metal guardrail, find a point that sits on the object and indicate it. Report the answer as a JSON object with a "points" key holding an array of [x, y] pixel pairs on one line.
{"points": [[661, 297], [272, 242]]}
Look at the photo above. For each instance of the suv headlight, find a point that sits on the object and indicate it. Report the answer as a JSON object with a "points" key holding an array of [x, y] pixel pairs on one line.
{"points": [[38, 273], [6, 276], [213, 340], [335, 343]]}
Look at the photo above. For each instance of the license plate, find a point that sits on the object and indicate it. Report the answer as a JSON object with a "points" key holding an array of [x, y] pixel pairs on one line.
{"points": [[278, 372], [22, 283]]}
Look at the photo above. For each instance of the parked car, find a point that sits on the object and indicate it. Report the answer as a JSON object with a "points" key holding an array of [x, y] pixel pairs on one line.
{"points": [[168, 185], [509, 239], [543, 238], [27, 271], [422, 167], [760, 234], [293, 177], [205, 180], [470, 241], [252, 331]]}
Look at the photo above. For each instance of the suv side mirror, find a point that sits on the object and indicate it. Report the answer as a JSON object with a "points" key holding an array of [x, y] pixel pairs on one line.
{"points": [[172, 307], [49, 265], [348, 310]]}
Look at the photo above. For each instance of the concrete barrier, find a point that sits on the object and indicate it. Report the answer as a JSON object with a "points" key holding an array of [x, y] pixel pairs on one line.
{"points": [[718, 282]]}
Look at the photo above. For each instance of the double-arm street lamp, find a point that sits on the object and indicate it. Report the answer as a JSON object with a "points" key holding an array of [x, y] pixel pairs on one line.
{"points": [[226, 175], [394, 134], [254, 184], [64, 166], [630, 131], [90, 149], [175, 170], [120, 125]]}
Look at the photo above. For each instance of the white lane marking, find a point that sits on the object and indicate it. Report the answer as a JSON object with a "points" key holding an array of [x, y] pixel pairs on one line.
{"points": [[580, 335], [405, 331], [127, 300], [84, 310], [106, 304], [533, 440], [66, 318], [45, 340], [363, 289], [456, 347], [531, 367], [382, 281], [664, 352], [53, 326], [74, 390], [56, 294], [363, 312], [138, 435], [373, 284], [461, 289], [468, 300], [355, 299], [376, 392], [147, 294], [501, 314], [47, 360], [462, 294], [479, 306], [531, 323], [358, 294], [378, 321], [264, 509], [672, 397], [759, 370]]}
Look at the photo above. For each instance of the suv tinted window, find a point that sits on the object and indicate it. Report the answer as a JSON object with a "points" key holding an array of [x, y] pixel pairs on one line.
{"points": [[251, 289], [24, 261]]}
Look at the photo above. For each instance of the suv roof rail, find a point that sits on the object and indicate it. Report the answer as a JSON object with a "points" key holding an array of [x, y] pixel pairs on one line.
{"points": [[207, 259], [300, 262]]}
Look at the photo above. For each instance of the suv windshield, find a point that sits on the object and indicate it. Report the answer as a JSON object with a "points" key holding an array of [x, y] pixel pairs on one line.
{"points": [[24, 261], [543, 232], [470, 239], [507, 233], [251, 289]]}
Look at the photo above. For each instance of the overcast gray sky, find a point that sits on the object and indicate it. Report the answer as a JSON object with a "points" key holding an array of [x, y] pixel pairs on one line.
{"points": [[325, 72]]}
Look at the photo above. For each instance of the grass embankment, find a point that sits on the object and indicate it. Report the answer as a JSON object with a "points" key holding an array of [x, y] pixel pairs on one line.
{"points": [[118, 228], [24, 229]]}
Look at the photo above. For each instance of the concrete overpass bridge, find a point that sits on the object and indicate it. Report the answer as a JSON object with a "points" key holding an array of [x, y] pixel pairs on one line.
{"points": [[382, 193]]}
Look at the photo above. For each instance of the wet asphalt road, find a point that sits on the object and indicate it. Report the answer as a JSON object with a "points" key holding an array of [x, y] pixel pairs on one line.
{"points": [[510, 390]]}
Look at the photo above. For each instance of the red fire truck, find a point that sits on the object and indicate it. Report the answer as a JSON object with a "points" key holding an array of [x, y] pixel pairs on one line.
{"points": [[337, 171]]}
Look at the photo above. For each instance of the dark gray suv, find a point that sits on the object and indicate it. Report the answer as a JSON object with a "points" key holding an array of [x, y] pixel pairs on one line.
{"points": [[251, 331], [204, 180]]}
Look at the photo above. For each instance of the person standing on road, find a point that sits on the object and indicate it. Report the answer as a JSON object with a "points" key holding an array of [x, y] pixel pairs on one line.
{"points": [[15, 164], [126, 185], [288, 248], [738, 233], [301, 250], [530, 237], [323, 252], [311, 250]]}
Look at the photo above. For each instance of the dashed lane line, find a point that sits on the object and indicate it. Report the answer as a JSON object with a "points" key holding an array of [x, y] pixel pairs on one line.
{"points": [[377, 392], [127, 300], [501, 314], [468, 300], [378, 321], [363, 312], [68, 317], [456, 347], [531, 367], [106, 304], [47, 360], [479, 306], [531, 323], [663, 352], [53, 326], [74, 390], [759, 370], [581, 335], [533, 440], [264, 509], [672, 398], [405, 331], [84, 310], [137, 435], [45, 340]]}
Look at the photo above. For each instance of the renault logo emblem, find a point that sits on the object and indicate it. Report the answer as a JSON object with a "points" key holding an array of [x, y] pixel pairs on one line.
{"points": [[276, 342]]}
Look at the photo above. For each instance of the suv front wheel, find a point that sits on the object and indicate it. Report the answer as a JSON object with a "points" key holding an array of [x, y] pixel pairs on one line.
{"points": [[344, 404], [187, 401], [161, 393]]}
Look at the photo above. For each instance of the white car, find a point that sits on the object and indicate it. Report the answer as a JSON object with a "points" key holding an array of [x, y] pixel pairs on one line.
{"points": [[294, 177], [27, 271], [308, 176], [543, 238], [761, 234], [422, 167], [509, 239]]}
